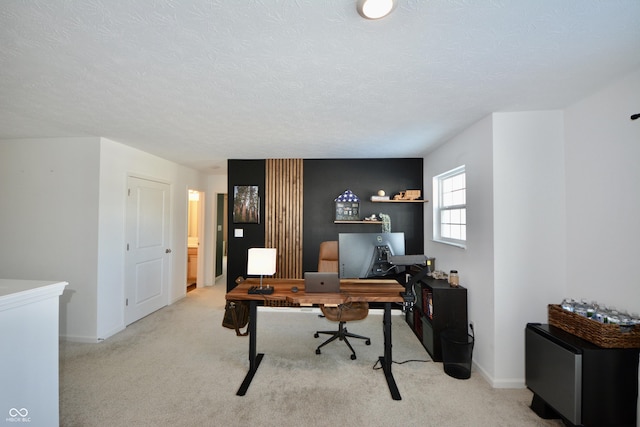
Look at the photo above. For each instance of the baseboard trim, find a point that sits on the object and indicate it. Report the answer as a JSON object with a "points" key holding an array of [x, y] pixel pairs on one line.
{"points": [[91, 340], [495, 383], [112, 332], [79, 339]]}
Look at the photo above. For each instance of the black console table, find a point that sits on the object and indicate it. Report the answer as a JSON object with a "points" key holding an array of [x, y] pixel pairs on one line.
{"points": [[438, 307], [577, 381]]}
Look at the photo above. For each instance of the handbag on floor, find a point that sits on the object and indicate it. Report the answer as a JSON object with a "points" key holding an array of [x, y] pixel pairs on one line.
{"points": [[236, 316]]}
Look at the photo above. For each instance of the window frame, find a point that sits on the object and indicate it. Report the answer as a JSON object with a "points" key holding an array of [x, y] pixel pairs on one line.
{"points": [[438, 207]]}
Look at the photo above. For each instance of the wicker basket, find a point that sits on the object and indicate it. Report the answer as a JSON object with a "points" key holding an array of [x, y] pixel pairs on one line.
{"points": [[600, 334]]}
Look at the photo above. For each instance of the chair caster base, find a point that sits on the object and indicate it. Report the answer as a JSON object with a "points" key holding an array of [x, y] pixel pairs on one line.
{"points": [[341, 335]]}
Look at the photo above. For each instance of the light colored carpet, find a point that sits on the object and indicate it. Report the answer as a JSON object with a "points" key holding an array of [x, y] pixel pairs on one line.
{"points": [[180, 367]]}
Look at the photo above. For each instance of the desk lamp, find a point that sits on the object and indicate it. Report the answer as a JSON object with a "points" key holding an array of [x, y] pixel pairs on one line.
{"points": [[261, 261]]}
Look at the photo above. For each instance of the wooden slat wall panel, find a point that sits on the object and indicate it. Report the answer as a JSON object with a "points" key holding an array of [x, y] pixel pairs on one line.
{"points": [[283, 211]]}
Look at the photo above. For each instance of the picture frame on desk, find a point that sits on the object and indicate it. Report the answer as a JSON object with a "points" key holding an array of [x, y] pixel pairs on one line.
{"points": [[246, 204]]}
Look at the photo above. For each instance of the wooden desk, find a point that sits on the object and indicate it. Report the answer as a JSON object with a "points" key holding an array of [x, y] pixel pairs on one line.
{"points": [[351, 290]]}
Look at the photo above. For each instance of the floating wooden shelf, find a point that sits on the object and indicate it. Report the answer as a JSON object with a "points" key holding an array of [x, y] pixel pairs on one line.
{"points": [[357, 222], [399, 201]]}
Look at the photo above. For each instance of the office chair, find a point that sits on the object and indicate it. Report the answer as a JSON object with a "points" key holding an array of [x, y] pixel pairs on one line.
{"points": [[328, 261]]}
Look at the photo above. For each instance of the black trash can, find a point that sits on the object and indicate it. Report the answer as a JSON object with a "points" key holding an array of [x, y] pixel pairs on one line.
{"points": [[457, 352]]}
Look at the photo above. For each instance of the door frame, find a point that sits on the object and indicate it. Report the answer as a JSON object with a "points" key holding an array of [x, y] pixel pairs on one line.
{"points": [[168, 244], [200, 219], [221, 229]]}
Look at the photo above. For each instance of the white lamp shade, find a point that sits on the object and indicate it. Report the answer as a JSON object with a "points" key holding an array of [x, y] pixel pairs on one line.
{"points": [[261, 261]]}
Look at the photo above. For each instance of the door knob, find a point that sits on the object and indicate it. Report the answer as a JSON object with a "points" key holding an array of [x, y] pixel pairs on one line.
{"points": [[168, 251]]}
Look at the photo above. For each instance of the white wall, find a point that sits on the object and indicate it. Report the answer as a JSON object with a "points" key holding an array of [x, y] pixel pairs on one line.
{"points": [[472, 148], [529, 231], [515, 231], [49, 197], [603, 195], [63, 218], [559, 201], [117, 162]]}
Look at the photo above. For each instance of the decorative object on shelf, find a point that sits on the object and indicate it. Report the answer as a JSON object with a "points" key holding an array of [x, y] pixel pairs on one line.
{"points": [[386, 223], [454, 279], [371, 217], [408, 195], [438, 274], [347, 206], [381, 193], [381, 197]]}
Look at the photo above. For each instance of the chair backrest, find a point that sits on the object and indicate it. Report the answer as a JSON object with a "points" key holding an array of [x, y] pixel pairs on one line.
{"points": [[328, 261], [328, 257]]}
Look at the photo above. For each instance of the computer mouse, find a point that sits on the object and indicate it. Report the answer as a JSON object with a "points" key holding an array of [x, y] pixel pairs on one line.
{"points": [[294, 289]]}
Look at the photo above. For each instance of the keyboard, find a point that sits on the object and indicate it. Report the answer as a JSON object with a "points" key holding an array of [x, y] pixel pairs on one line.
{"points": [[261, 290]]}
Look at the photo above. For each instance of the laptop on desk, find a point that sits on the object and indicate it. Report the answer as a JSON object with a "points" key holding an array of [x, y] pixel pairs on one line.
{"points": [[321, 282]]}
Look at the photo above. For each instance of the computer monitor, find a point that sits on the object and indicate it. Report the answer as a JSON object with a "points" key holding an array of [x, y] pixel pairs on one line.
{"points": [[365, 255]]}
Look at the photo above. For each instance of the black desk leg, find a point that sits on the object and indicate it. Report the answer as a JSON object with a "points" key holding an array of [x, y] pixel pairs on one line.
{"points": [[254, 359], [386, 360]]}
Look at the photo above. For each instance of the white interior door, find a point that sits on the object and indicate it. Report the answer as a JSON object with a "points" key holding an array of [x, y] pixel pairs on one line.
{"points": [[147, 256]]}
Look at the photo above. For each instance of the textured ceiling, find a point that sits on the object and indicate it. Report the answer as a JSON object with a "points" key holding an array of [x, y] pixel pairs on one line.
{"points": [[202, 81]]}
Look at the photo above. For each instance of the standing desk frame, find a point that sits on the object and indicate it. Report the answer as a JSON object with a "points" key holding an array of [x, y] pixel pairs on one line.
{"points": [[356, 290]]}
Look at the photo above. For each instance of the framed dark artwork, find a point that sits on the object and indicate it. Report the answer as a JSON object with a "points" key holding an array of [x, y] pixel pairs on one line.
{"points": [[246, 204]]}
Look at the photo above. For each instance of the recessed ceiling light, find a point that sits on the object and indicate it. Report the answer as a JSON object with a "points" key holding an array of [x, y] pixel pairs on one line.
{"points": [[374, 9]]}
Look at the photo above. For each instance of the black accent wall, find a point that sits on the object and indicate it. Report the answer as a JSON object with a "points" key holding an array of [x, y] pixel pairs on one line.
{"points": [[326, 179], [323, 181], [243, 172]]}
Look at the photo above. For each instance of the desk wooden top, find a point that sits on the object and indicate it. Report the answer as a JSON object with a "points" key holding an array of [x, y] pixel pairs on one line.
{"points": [[351, 290]]}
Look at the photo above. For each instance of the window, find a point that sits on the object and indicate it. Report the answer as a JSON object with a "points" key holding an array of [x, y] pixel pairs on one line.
{"points": [[450, 207]]}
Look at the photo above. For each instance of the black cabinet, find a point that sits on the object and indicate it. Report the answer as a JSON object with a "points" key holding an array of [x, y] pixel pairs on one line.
{"points": [[438, 307], [577, 381]]}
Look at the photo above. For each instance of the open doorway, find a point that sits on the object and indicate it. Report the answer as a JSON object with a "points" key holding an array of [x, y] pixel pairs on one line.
{"points": [[194, 237], [221, 234]]}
